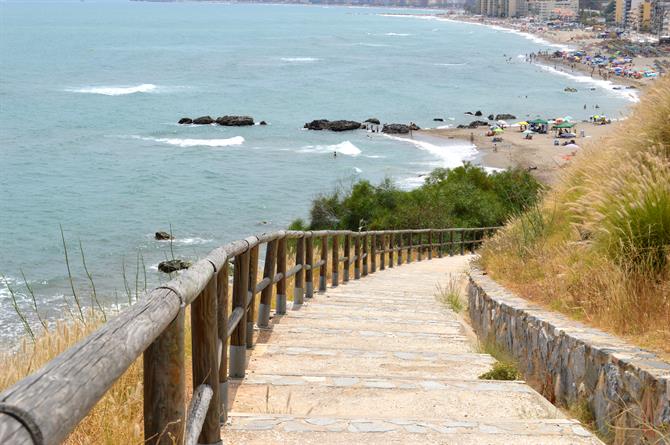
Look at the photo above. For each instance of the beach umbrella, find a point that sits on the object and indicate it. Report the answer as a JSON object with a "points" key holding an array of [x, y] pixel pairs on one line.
{"points": [[502, 124], [498, 130], [573, 146], [522, 123], [527, 132], [568, 119], [539, 122]]}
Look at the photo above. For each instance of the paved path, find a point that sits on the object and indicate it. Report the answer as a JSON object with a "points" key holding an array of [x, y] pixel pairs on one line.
{"points": [[381, 361]]}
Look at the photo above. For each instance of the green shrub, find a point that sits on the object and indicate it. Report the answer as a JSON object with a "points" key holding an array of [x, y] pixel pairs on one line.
{"points": [[501, 371]]}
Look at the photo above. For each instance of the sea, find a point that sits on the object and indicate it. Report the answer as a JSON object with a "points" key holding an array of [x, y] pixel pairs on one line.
{"points": [[91, 92]]}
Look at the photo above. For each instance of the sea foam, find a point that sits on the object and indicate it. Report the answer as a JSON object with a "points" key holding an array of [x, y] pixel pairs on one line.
{"points": [[299, 59], [236, 140], [449, 156], [116, 90], [343, 148], [600, 83]]}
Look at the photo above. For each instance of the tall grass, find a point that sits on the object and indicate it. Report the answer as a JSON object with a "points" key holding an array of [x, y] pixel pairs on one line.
{"points": [[598, 246]]}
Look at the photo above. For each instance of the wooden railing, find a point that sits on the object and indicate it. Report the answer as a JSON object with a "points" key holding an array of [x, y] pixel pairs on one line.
{"points": [[46, 406]]}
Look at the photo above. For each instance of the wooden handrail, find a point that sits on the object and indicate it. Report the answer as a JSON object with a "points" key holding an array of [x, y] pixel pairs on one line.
{"points": [[46, 406]]}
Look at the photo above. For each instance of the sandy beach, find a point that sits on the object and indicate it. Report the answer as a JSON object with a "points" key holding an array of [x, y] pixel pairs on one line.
{"points": [[539, 155]]}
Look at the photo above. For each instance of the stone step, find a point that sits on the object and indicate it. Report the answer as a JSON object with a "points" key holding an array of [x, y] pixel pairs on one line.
{"points": [[365, 339], [252, 429], [362, 322], [388, 398], [284, 359]]}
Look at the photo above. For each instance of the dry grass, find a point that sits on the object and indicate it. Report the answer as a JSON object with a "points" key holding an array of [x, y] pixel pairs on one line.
{"points": [[598, 247]]}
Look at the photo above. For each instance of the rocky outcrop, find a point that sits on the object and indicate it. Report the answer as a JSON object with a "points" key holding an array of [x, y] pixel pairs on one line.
{"points": [[263, 123], [161, 236], [171, 266], [235, 121], [625, 388], [438, 119], [491, 117], [475, 124], [478, 113], [185, 121], [203, 120], [373, 120], [399, 128], [504, 117], [343, 125], [339, 125]]}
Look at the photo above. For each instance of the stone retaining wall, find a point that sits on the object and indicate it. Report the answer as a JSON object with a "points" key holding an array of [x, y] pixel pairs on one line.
{"points": [[626, 388]]}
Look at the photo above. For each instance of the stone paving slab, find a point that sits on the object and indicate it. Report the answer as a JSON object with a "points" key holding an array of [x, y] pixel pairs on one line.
{"points": [[322, 430], [381, 361], [368, 339]]}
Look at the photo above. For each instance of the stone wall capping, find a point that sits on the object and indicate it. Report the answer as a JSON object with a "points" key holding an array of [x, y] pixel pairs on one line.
{"points": [[569, 362]]}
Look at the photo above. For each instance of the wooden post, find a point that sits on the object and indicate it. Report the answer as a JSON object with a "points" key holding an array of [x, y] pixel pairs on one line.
{"points": [[280, 306], [238, 340], [222, 324], [409, 248], [309, 273], [373, 253], [391, 247], [347, 255], [164, 387], [400, 248], [298, 286], [473, 241], [253, 279], [430, 245], [323, 272], [462, 242], [440, 244], [357, 254], [419, 247], [266, 294], [451, 243], [204, 334], [366, 260], [335, 260], [382, 251]]}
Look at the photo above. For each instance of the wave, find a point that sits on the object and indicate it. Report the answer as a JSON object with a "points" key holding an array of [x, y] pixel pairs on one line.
{"points": [[358, 170], [600, 83], [343, 148], [299, 59], [372, 45], [450, 64], [116, 90], [397, 34], [449, 156], [237, 140], [185, 241], [374, 156]]}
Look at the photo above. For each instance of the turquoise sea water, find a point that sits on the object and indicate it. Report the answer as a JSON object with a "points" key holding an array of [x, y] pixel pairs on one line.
{"points": [[90, 94]]}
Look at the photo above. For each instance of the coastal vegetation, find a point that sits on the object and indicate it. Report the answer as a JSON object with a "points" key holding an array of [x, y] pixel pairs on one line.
{"points": [[598, 245], [466, 196]]}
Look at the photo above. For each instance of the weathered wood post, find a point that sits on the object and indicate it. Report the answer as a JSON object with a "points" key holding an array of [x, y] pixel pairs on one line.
{"points": [[430, 244], [253, 279], [323, 272], [391, 247], [335, 260], [280, 306], [440, 244], [347, 257], [357, 256], [451, 242], [419, 247], [366, 258], [238, 339], [266, 293], [473, 240], [409, 247], [462, 242], [309, 261], [400, 248], [298, 287], [373, 253], [382, 251], [204, 334], [164, 387], [222, 289]]}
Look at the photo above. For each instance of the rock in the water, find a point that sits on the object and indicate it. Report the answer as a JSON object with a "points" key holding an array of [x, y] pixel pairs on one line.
{"points": [[173, 265], [318, 124], [491, 117], [469, 113], [235, 121], [373, 120], [505, 116], [414, 127], [395, 129], [263, 123], [343, 125], [203, 120], [162, 236], [438, 119], [478, 113], [185, 120], [475, 124]]}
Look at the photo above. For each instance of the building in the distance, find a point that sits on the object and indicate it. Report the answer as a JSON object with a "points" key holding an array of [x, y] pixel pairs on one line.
{"points": [[644, 16], [540, 9]]}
